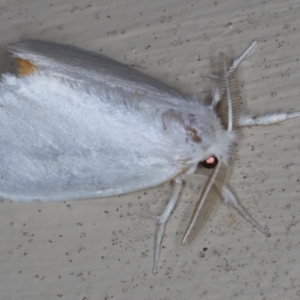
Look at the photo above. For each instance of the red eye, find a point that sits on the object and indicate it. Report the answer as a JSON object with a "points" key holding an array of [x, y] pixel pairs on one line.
{"points": [[209, 163]]}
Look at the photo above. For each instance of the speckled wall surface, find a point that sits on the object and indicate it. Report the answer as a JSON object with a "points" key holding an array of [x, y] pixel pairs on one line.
{"points": [[103, 249]]}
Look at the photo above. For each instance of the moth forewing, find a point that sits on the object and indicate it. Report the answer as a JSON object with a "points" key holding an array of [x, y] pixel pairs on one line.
{"points": [[80, 65]]}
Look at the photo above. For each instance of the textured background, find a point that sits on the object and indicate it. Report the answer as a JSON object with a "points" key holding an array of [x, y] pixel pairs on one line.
{"points": [[103, 249]]}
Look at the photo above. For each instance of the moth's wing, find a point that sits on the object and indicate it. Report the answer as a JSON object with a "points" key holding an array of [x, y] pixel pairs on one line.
{"points": [[89, 67], [64, 141]]}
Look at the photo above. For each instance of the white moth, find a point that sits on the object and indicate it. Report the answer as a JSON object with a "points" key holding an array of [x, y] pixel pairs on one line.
{"points": [[79, 125]]}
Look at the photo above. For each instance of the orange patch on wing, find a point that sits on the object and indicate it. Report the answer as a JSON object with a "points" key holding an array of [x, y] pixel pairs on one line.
{"points": [[24, 66]]}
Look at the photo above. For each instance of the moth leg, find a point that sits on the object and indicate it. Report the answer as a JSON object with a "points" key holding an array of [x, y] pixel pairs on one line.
{"points": [[239, 59], [162, 220], [231, 200], [268, 119]]}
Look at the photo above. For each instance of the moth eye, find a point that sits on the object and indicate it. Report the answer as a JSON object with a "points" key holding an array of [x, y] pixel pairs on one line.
{"points": [[209, 163]]}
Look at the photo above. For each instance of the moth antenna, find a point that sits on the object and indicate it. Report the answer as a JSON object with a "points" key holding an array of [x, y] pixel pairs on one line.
{"points": [[211, 193], [231, 200], [229, 94]]}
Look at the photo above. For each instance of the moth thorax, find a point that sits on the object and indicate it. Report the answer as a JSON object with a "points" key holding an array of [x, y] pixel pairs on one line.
{"points": [[187, 120]]}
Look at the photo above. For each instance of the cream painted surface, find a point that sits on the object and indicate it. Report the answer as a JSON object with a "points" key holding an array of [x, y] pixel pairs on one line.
{"points": [[103, 249]]}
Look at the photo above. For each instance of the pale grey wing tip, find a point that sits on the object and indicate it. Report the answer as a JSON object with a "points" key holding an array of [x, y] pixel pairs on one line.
{"points": [[26, 45], [37, 49], [33, 45]]}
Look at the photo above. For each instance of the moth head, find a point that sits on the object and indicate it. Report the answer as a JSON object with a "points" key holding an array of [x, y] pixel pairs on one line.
{"points": [[227, 109]]}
